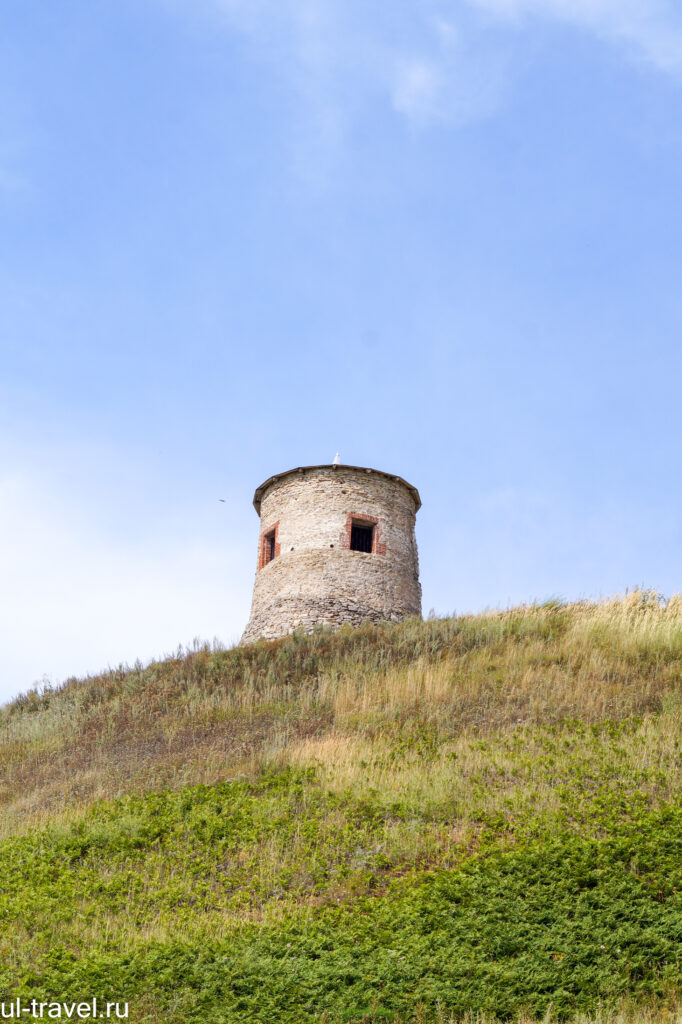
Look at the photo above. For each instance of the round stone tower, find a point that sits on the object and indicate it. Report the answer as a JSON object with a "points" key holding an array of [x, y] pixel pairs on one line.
{"points": [[336, 545]]}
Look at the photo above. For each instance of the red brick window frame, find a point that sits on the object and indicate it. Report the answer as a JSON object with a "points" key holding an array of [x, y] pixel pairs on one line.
{"points": [[356, 519], [269, 546]]}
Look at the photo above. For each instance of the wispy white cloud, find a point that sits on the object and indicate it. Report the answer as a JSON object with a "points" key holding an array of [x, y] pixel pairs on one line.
{"points": [[342, 54], [432, 59], [649, 29], [417, 87]]}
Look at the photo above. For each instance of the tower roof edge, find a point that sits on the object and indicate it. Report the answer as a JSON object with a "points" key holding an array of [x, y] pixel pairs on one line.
{"points": [[260, 491]]}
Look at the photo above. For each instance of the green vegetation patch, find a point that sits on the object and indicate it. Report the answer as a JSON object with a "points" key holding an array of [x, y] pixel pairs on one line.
{"points": [[566, 922]]}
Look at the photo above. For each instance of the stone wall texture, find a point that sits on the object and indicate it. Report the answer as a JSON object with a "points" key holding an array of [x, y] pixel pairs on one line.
{"points": [[315, 578]]}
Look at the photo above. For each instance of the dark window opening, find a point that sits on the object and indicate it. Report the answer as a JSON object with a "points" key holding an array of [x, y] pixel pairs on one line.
{"points": [[361, 538], [268, 547]]}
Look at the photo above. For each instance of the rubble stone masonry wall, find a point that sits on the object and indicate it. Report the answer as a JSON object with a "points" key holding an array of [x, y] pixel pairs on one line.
{"points": [[315, 578]]}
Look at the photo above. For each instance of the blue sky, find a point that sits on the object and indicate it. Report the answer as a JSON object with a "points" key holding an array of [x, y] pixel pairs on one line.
{"points": [[442, 238]]}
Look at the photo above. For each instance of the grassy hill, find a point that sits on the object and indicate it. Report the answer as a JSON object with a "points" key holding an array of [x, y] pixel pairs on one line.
{"points": [[418, 822]]}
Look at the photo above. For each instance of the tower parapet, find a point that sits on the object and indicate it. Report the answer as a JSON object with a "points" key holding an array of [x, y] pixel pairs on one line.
{"points": [[336, 545]]}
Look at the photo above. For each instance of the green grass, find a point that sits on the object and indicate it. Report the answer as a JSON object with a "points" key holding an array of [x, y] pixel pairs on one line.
{"points": [[477, 816], [526, 922]]}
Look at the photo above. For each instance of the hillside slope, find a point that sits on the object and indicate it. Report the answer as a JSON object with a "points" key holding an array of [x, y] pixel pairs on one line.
{"points": [[412, 822]]}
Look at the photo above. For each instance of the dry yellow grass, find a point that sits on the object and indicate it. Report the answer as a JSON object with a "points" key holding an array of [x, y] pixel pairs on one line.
{"points": [[625, 1013], [345, 701]]}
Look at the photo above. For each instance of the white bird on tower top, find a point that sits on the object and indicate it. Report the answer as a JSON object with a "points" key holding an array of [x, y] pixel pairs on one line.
{"points": [[337, 460]]}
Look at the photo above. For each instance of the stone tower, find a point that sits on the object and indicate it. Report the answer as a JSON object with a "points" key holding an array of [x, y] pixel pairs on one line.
{"points": [[336, 545]]}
